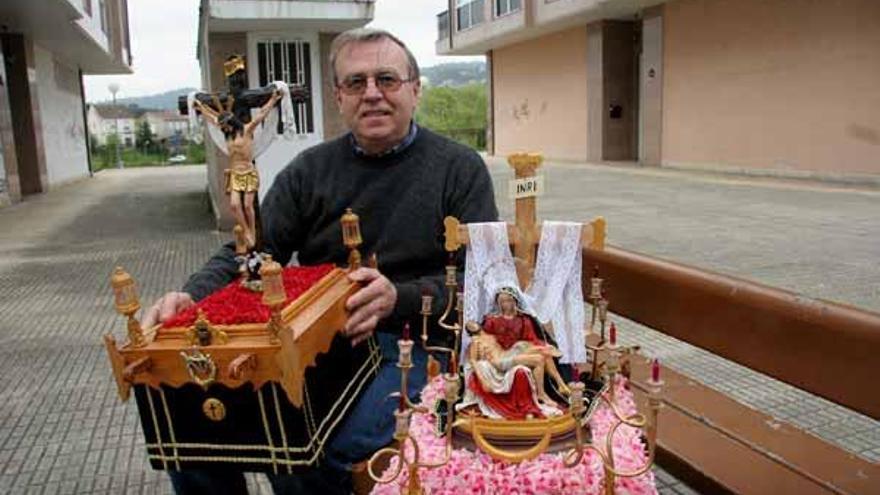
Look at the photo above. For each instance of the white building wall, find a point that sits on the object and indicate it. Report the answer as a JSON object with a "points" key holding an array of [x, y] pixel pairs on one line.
{"points": [[61, 112]]}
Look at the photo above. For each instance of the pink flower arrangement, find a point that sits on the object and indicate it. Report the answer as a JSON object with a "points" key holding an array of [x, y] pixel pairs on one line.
{"points": [[477, 473]]}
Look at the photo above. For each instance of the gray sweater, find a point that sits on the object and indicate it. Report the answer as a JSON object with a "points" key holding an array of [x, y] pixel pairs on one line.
{"points": [[401, 199]]}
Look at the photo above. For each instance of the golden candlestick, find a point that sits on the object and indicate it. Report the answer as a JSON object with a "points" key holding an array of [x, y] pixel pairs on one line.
{"points": [[606, 452], [594, 297], [427, 302], [603, 315], [402, 436]]}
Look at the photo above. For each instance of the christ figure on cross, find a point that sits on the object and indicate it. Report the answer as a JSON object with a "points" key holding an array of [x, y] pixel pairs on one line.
{"points": [[242, 179]]}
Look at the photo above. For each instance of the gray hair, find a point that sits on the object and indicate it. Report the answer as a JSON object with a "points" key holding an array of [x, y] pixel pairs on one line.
{"points": [[369, 35]]}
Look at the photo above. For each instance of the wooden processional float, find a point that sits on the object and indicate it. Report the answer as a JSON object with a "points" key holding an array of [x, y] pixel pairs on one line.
{"points": [[598, 384], [253, 395]]}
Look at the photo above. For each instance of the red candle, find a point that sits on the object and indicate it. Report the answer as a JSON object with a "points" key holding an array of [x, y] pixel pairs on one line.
{"points": [[402, 404], [595, 271], [655, 370], [575, 373], [613, 335], [406, 331]]}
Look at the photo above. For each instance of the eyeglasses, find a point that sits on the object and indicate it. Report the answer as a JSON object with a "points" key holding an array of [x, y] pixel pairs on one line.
{"points": [[386, 82]]}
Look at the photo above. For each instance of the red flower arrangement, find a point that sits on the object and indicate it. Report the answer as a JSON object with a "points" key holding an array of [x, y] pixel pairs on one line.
{"points": [[234, 304]]}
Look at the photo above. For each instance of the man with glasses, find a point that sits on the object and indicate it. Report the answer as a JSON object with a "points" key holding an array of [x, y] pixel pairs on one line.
{"points": [[402, 180]]}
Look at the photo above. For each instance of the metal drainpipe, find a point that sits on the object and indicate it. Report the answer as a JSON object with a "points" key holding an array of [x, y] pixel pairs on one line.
{"points": [[82, 98]]}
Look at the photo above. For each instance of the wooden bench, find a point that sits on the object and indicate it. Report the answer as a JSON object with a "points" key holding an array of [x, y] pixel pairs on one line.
{"points": [[714, 443]]}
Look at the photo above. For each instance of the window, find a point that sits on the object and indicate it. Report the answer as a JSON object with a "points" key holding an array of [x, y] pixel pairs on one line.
{"points": [[443, 25], [503, 7], [469, 13], [291, 62]]}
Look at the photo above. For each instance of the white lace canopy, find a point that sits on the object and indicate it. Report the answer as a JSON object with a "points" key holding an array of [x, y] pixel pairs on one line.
{"points": [[554, 295]]}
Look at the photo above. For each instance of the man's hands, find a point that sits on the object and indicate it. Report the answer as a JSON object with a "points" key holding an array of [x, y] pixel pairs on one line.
{"points": [[167, 306], [370, 304]]}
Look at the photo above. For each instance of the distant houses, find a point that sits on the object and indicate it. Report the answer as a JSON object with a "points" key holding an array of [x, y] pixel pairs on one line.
{"points": [[167, 126]]}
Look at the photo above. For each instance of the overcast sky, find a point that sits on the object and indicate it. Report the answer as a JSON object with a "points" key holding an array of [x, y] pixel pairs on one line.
{"points": [[163, 43]]}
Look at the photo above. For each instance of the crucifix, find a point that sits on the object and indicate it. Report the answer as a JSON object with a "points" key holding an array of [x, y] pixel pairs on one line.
{"points": [[237, 97], [524, 235], [230, 113]]}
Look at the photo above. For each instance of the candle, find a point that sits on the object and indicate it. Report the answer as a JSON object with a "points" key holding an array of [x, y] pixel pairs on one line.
{"points": [[613, 335], [575, 373], [655, 370], [595, 271], [406, 331]]}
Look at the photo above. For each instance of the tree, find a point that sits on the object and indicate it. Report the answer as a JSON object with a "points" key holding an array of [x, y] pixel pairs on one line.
{"points": [[108, 151], [143, 138], [459, 113]]}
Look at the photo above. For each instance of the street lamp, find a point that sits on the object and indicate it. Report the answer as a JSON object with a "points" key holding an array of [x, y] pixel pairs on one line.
{"points": [[114, 87]]}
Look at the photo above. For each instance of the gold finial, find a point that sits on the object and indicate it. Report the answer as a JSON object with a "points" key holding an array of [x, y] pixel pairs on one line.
{"points": [[234, 64], [525, 164], [274, 294]]}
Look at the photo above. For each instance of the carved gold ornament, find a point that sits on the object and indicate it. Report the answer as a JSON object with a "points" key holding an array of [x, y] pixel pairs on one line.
{"points": [[214, 409]]}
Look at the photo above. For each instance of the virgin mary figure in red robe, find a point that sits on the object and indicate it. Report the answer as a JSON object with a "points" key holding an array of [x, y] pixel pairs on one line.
{"points": [[505, 370]]}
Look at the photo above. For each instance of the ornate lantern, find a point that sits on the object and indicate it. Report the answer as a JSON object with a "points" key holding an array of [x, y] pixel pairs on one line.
{"points": [[124, 292], [125, 297], [351, 237]]}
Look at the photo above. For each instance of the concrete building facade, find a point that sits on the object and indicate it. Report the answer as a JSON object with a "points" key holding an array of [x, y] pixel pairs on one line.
{"points": [[285, 40], [779, 86], [45, 49]]}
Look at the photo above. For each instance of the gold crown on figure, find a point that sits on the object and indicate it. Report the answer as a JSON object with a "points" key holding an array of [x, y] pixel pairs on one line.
{"points": [[234, 64]]}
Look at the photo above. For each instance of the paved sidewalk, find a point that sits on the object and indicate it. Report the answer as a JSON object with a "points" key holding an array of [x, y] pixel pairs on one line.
{"points": [[63, 429]]}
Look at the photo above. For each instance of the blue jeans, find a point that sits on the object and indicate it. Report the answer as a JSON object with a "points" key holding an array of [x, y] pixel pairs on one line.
{"points": [[368, 427]]}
